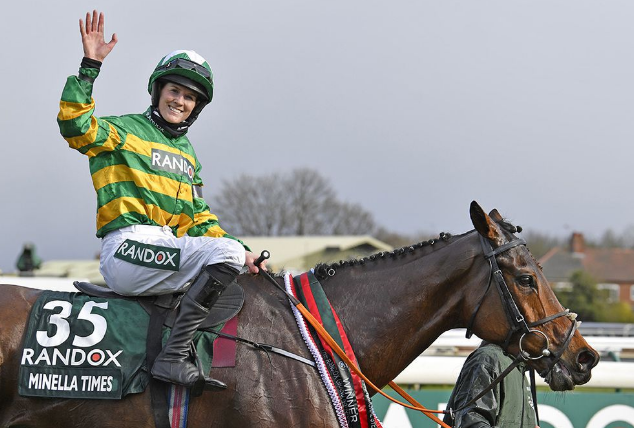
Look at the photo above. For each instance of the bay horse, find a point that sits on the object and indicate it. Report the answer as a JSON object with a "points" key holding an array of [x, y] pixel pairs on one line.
{"points": [[392, 305]]}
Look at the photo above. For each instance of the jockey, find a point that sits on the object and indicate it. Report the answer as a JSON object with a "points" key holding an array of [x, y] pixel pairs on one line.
{"points": [[157, 231]]}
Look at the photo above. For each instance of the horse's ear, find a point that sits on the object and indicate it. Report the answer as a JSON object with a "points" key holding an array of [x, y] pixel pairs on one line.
{"points": [[495, 215], [485, 225]]}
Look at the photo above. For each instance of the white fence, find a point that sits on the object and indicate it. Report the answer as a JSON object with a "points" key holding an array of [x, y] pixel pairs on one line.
{"points": [[440, 364], [444, 371]]}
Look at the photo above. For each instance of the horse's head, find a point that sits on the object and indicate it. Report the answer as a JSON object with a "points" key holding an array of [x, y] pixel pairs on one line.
{"points": [[524, 315]]}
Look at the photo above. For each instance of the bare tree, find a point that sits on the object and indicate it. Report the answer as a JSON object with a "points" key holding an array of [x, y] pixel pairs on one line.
{"points": [[349, 219], [310, 199], [252, 205], [301, 202]]}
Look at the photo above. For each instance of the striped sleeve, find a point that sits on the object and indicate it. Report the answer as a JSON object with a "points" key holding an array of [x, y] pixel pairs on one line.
{"points": [[77, 124]]}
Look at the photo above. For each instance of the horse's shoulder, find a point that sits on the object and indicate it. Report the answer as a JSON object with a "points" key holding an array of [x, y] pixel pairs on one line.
{"points": [[257, 286], [264, 301], [15, 306]]}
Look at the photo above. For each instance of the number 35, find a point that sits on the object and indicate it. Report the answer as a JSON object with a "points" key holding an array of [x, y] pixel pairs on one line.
{"points": [[62, 332]]}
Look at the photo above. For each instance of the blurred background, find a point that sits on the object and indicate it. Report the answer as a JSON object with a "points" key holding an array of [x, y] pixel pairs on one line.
{"points": [[388, 119]]}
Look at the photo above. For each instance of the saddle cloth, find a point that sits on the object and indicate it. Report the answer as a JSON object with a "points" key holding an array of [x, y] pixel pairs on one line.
{"points": [[80, 346]]}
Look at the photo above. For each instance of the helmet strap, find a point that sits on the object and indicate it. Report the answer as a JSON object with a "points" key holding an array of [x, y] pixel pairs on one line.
{"points": [[174, 130]]}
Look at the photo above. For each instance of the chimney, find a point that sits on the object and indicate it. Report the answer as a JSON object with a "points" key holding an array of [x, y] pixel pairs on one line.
{"points": [[577, 244]]}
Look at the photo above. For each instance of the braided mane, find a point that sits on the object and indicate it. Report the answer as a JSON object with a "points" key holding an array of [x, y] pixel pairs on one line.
{"points": [[324, 270]]}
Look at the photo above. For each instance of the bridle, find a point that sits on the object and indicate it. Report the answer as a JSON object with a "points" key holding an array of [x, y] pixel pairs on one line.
{"points": [[515, 319]]}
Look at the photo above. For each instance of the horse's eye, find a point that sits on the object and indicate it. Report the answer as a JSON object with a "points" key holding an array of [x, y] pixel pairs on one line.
{"points": [[526, 281]]}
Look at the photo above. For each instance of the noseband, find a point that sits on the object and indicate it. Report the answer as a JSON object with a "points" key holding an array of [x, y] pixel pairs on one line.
{"points": [[516, 320]]}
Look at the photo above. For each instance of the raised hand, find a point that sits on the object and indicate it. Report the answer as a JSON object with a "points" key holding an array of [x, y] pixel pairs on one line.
{"points": [[95, 46]]}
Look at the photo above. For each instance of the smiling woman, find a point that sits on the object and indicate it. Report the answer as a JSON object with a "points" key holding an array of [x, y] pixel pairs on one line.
{"points": [[147, 178], [176, 102]]}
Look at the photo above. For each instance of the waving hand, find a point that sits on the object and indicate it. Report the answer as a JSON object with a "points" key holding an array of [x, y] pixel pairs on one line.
{"points": [[95, 46]]}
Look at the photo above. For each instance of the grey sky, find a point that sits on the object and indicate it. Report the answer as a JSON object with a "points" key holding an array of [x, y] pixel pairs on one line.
{"points": [[410, 108]]}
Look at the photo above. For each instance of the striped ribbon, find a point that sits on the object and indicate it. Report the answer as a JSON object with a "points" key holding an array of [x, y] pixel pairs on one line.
{"points": [[346, 389], [178, 399]]}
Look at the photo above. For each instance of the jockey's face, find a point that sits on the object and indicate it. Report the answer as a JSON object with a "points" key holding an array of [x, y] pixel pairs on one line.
{"points": [[176, 102]]}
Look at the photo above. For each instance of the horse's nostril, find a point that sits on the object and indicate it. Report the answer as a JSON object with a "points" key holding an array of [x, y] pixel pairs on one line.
{"points": [[586, 360]]}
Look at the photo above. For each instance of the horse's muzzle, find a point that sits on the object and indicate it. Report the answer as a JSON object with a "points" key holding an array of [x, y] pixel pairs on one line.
{"points": [[565, 375]]}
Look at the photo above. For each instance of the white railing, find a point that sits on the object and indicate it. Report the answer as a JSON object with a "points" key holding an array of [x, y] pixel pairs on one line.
{"points": [[444, 371], [440, 364]]}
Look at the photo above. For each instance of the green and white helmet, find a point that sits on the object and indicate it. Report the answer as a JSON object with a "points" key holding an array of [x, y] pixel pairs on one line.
{"points": [[185, 68]]}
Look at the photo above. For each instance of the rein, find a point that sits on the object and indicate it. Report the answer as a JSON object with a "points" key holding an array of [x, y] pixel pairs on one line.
{"points": [[264, 347]]}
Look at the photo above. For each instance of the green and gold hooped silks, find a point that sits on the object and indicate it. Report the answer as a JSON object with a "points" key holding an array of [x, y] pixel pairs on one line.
{"points": [[141, 174]]}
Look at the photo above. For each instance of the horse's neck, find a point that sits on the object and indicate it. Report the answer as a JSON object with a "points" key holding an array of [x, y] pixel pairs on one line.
{"points": [[392, 314]]}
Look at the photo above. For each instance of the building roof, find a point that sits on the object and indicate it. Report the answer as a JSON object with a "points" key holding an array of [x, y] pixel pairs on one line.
{"points": [[558, 264], [82, 269], [611, 264], [607, 265], [288, 247], [294, 254], [300, 253]]}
